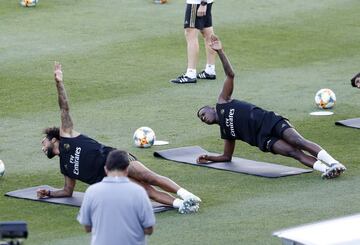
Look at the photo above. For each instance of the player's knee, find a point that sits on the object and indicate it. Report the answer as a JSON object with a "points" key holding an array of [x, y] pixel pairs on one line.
{"points": [[149, 178], [294, 153], [300, 142], [149, 189]]}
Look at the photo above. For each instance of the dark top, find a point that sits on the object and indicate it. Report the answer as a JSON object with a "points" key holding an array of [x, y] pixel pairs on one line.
{"points": [[240, 120], [83, 158]]}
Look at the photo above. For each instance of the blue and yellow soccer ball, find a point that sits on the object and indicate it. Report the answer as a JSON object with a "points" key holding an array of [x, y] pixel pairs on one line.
{"points": [[325, 98], [28, 3], [144, 137]]}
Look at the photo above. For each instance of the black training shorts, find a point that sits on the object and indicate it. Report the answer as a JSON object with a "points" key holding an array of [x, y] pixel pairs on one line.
{"points": [[193, 21], [276, 134], [132, 157]]}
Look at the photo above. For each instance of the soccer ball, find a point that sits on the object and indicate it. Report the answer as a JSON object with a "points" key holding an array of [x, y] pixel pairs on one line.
{"points": [[144, 137], [325, 98], [28, 3], [2, 168]]}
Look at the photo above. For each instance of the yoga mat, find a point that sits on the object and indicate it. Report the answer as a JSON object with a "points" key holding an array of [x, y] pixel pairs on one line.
{"points": [[189, 155], [75, 200], [352, 123]]}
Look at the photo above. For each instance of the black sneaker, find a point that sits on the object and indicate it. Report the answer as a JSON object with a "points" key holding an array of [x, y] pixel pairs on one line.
{"points": [[204, 75], [183, 79]]}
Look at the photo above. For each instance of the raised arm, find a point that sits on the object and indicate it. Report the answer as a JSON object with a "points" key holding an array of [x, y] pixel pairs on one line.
{"points": [[66, 128], [228, 87]]}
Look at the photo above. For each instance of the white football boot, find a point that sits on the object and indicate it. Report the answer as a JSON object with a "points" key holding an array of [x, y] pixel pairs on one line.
{"points": [[334, 170], [188, 207]]}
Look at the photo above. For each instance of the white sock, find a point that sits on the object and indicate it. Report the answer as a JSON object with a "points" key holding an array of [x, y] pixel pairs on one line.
{"points": [[177, 203], [210, 69], [183, 193], [190, 73], [319, 166], [326, 158]]}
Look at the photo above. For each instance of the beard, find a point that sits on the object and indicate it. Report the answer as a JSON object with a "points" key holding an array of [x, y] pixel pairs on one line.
{"points": [[50, 152]]}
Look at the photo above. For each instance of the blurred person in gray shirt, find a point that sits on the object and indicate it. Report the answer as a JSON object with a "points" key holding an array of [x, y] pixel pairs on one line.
{"points": [[116, 210]]}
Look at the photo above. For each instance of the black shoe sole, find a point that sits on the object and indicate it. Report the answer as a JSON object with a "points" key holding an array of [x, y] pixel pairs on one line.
{"points": [[174, 81]]}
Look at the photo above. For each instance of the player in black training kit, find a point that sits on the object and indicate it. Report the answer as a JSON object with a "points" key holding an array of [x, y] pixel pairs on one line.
{"points": [[239, 120], [83, 158]]}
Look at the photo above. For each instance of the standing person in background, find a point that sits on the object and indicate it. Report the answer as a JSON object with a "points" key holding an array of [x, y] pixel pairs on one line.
{"points": [[198, 19], [116, 210]]}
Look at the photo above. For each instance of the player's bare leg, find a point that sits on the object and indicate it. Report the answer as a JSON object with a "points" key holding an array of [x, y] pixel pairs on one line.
{"points": [[209, 71], [155, 194], [335, 168], [141, 173], [283, 148], [191, 35], [184, 207], [295, 139]]}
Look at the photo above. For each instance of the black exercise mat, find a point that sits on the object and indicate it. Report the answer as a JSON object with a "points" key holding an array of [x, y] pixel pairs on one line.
{"points": [[352, 123], [189, 155], [75, 200]]}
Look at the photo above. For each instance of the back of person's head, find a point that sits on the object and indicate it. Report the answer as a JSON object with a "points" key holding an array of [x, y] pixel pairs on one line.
{"points": [[117, 160], [52, 132], [353, 79]]}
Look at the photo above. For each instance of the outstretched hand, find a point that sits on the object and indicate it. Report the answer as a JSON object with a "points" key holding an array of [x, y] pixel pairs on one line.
{"points": [[58, 72], [215, 43]]}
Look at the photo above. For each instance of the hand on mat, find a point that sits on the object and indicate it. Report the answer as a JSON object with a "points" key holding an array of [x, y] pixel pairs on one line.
{"points": [[42, 193], [202, 159]]}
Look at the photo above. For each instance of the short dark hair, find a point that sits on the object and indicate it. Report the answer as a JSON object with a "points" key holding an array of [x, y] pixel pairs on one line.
{"points": [[353, 79], [206, 106], [117, 160], [52, 132]]}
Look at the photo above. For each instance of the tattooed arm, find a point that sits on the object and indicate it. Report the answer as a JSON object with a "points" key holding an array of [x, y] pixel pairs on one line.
{"points": [[66, 129]]}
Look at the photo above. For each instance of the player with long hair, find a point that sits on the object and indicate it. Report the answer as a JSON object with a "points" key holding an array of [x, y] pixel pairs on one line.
{"points": [[83, 158]]}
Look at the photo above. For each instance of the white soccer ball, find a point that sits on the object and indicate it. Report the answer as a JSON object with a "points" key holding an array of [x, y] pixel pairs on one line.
{"points": [[28, 3], [325, 98], [2, 168], [144, 137]]}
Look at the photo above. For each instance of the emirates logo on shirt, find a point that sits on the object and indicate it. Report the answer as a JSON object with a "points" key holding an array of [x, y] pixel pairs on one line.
{"points": [[229, 122], [75, 160]]}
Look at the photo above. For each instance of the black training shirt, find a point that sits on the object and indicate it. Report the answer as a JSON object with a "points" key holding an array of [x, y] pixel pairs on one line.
{"points": [[240, 120], [83, 158]]}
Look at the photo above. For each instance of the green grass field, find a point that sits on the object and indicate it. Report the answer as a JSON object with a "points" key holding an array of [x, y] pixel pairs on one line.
{"points": [[118, 57]]}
